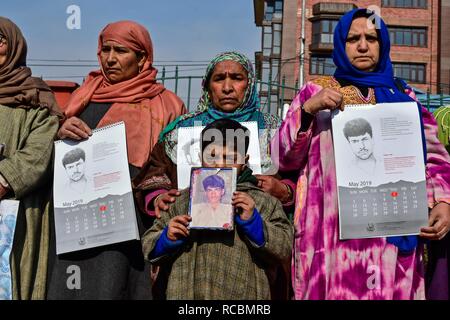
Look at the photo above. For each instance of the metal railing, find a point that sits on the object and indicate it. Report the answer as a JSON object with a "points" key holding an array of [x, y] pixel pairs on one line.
{"points": [[188, 87], [434, 101]]}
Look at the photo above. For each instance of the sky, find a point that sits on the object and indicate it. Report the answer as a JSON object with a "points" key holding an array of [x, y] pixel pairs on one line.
{"points": [[181, 30]]}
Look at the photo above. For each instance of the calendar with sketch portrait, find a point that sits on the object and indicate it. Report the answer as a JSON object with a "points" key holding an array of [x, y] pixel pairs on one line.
{"points": [[210, 198], [93, 199], [380, 170]]}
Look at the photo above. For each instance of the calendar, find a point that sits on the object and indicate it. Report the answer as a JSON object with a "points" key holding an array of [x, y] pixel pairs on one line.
{"points": [[380, 170], [93, 199]]}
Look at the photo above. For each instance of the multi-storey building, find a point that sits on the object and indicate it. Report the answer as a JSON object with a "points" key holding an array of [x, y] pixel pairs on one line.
{"points": [[420, 46]]}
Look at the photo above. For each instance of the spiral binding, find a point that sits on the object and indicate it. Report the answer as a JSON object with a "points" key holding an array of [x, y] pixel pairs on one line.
{"points": [[100, 129], [364, 105]]}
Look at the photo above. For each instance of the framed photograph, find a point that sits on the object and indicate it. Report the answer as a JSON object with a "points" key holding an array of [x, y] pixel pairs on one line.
{"points": [[210, 202]]}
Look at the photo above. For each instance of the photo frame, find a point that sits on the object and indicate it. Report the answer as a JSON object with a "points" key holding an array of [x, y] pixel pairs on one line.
{"points": [[211, 190]]}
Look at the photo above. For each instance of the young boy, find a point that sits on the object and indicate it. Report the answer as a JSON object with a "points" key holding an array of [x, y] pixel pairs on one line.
{"points": [[211, 264]]}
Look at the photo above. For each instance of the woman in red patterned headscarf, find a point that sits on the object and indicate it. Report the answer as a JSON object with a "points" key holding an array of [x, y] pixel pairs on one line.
{"points": [[126, 84]]}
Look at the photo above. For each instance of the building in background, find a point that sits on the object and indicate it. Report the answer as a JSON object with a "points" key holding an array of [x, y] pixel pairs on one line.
{"points": [[268, 61], [420, 43]]}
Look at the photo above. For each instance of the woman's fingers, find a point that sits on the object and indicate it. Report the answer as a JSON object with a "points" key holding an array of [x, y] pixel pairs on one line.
{"points": [[174, 192], [266, 183], [162, 203], [428, 236], [441, 234], [432, 218], [262, 177], [335, 97], [157, 213], [160, 206], [165, 200], [64, 134], [428, 230], [331, 99], [326, 99], [77, 131], [177, 229], [178, 226], [84, 127], [439, 222], [440, 228], [243, 201], [239, 199], [74, 128], [435, 232], [184, 219]]}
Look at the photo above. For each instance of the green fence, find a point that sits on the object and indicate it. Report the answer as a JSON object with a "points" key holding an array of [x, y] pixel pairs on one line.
{"points": [[187, 87], [434, 101]]}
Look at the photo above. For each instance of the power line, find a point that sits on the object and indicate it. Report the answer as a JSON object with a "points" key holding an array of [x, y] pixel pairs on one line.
{"points": [[97, 65], [89, 60]]}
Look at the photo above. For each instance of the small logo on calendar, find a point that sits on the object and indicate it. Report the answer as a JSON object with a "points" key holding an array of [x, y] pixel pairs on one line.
{"points": [[370, 227], [82, 241]]}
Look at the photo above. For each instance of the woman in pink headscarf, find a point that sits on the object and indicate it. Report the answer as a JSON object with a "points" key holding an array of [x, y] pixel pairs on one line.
{"points": [[124, 89]]}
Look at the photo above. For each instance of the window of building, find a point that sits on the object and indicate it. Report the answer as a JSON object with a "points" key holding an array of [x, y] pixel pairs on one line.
{"points": [[273, 10], [273, 101], [405, 3], [267, 41], [323, 65], [265, 71], [414, 72], [276, 38], [264, 87], [404, 36], [279, 6], [277, 27], [275, 69], [268, 12], [323, 31]]}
